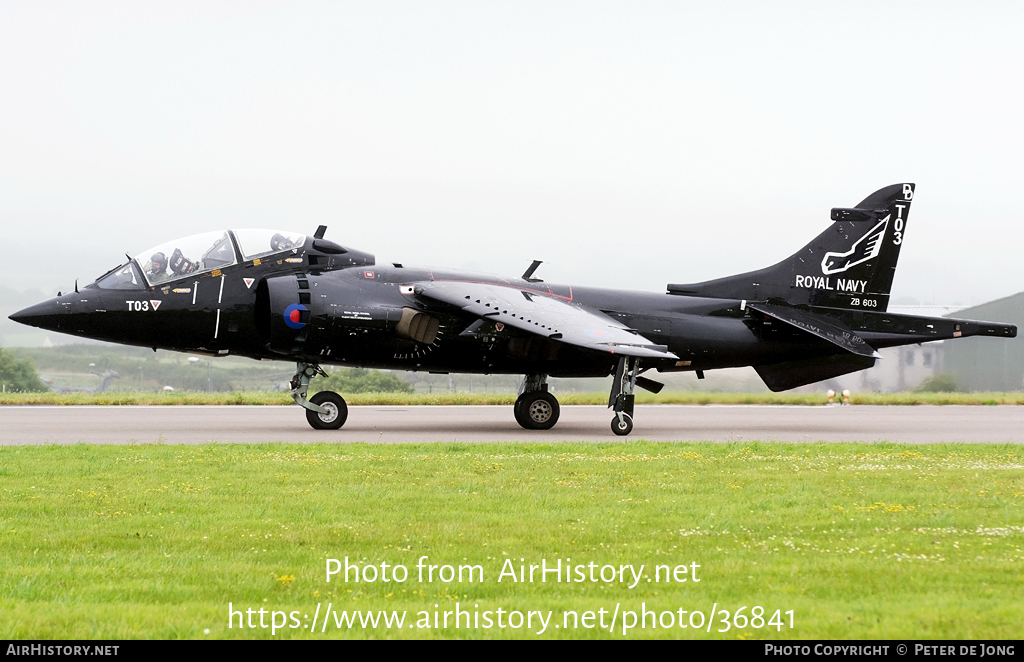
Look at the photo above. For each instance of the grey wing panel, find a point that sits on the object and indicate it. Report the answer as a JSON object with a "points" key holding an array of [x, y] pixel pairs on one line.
{"points": [[543, 315]]}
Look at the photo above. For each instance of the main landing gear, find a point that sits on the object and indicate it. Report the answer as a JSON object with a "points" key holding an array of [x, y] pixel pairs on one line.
{"points": [[324, 411], [621, 398], [535, 408]]}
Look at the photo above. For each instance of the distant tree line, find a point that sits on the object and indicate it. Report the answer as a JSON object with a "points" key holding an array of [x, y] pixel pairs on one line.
{"points": [[942, 383], [360, 380], [19, 375]]}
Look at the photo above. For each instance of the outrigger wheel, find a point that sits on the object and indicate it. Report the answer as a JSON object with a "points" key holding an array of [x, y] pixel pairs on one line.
{"points": [[621, 398], [335, 411], [622, 424]]}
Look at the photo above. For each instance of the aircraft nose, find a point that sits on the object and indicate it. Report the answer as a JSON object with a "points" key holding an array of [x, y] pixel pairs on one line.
{"points": [[45, 315]]}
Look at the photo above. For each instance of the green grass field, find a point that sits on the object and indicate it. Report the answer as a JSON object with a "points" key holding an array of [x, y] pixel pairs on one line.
{"points": [[642, 397], [859, 541]]}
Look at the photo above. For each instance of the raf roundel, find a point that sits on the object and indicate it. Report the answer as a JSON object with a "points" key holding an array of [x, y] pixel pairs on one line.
{"points": [[292, 314]]}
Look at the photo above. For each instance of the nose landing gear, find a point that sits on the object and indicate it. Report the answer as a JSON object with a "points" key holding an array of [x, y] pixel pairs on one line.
{"points": [[335, 411], [324, 411]]}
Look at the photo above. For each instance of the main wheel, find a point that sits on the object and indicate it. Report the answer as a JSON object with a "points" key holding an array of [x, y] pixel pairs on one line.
{"points": [[623, 427], [517, 410], [337, 411], [537, 410]]}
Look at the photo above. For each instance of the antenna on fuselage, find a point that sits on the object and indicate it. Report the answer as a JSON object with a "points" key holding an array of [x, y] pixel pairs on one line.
{"points": [[528, 274], [320, 232]]}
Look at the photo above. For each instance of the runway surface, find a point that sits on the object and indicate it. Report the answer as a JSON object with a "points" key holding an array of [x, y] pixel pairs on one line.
{"points": [[26, 425]]}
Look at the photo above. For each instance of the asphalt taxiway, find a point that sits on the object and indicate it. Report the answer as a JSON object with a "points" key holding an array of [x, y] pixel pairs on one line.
{"points": [[29, 425]]}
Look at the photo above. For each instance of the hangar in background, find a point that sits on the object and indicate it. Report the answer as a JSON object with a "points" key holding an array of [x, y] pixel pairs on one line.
{"points": [[995, 365], [900, 368]]}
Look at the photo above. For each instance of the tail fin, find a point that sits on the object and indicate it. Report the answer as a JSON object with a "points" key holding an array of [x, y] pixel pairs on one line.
{"points": [[849, 265]]}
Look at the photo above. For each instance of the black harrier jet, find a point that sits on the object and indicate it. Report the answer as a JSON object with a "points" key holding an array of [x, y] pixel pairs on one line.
{"points": [[278, 295]]}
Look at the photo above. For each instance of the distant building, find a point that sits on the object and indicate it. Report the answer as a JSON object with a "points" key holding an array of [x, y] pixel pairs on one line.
{"points": [[989, 364], [900, 368]]}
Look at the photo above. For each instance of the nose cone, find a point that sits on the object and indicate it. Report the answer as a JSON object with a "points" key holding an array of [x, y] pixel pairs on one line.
{"points": [[45, 315]]}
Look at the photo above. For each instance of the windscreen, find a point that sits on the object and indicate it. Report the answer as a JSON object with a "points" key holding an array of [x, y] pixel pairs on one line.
{"points": [[258, 243], [122, 278], [184, 257]]}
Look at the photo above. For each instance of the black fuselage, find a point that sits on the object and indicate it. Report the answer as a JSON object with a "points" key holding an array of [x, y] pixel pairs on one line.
{"points": [[352, 311]]}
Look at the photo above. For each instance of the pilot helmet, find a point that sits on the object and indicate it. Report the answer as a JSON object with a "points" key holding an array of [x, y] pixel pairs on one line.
{"points": [[158, 262]]}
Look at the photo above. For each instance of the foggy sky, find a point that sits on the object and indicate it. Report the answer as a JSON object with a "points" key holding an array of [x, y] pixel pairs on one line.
{"points": [[628, 144]]}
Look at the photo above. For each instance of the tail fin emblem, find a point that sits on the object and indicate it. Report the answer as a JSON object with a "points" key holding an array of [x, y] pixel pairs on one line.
{"points": [[864, 249]]}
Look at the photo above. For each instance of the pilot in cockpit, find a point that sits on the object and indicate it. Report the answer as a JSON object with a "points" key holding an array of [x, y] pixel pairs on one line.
{"points": [[157, 271]]}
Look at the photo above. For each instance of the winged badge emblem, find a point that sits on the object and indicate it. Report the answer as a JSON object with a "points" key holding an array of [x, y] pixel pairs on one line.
{"points": [[864, 249]]}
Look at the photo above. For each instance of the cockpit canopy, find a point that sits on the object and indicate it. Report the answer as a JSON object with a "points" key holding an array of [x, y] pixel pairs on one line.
{"points": [[257, 243], [199, 254], [190, 255]]}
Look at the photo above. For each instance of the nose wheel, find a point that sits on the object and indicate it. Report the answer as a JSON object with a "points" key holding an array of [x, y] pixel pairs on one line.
{"points": [[324, 411], [334, 414]]}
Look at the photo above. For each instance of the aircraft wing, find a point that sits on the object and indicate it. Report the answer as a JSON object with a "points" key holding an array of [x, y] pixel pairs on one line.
{"points": [[825, 328], [544, 315]]}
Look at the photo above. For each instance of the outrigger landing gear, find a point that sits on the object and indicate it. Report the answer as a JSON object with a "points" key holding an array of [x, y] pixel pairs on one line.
{"points": [[621, 398], [324, 411], [535, 408]]}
